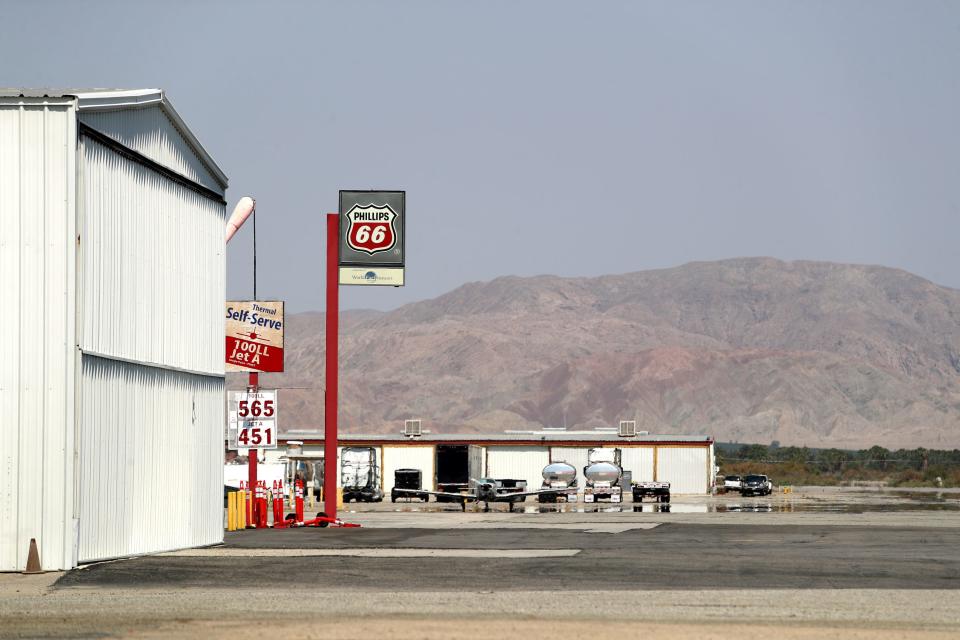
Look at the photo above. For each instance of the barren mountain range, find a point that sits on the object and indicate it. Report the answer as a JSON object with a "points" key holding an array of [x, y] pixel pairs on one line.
{"points": [[746, 350]]}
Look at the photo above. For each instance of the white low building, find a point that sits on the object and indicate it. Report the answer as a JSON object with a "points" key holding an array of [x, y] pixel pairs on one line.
{"points": [[112, 277], [687, 462]]}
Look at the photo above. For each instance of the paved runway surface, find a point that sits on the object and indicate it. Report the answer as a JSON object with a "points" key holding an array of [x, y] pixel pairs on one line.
{"points": [[669, 556]]}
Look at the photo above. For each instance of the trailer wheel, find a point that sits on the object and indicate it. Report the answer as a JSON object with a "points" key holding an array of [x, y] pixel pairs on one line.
{"points": [[322, 524]]}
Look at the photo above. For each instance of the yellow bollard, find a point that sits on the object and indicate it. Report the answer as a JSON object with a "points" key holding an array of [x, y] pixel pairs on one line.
{"points": [[231, 511], [241, 509]]}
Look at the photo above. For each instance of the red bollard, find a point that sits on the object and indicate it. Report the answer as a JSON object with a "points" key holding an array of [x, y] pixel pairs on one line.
{"points": [[299, 501], [262, 505], [273, 501], [278, 502], [247, 502]]}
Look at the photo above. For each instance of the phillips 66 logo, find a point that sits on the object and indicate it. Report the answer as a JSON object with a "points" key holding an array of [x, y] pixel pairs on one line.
{"points": [[371, 228]]}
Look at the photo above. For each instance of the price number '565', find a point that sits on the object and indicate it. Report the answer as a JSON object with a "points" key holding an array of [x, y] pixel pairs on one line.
{"points": [[256, 409]]}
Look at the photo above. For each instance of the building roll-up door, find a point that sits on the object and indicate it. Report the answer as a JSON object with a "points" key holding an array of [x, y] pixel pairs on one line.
{"points": [[685, 468], [576, 456], [408, 457], [638, 461], [518, 463]]}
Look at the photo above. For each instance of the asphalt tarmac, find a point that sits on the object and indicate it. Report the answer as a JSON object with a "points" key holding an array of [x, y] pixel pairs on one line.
{"points": [[668, 556], [821, 564]]}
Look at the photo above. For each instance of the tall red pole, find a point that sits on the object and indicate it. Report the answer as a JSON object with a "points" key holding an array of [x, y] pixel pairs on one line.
{"points": [[330, 397], [253, 385]]}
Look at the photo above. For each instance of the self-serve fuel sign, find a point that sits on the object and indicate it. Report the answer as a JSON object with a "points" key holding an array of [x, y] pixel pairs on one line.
{"points": [[255, 335]]}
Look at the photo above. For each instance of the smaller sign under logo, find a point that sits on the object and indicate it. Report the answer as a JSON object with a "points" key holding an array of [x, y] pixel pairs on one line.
{"points": [[371, 228]]}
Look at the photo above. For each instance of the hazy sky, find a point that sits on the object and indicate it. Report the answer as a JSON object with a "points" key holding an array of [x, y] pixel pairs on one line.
{"points": [[547, 137]]}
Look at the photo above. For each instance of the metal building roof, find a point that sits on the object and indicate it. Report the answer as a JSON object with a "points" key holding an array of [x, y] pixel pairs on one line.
{"points": [[118, 99], [558, 437]]}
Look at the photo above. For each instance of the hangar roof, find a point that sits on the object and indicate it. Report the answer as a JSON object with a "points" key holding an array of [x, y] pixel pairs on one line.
{"points": [[92, 100]]}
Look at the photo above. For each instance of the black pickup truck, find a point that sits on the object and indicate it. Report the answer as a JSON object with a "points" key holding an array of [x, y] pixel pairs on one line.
{"points": [[756, 485]]}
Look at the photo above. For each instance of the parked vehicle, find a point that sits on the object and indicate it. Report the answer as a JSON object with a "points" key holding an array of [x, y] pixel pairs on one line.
{"points": [[405, 481], [756, 485], [561, 476], [507, 486], [660, 491], [603, 473], [360, 475], [732, 483]]}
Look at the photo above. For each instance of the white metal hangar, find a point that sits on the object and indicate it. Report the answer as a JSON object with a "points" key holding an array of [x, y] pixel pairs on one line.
{"points": [[687, 462], [112, 274]]}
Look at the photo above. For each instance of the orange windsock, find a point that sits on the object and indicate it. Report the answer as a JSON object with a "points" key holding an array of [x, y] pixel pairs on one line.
{"points": [[240, 214]]}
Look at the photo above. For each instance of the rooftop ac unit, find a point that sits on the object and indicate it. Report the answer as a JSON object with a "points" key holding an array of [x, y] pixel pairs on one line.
{"points": [[412, 428], [628, 429]]}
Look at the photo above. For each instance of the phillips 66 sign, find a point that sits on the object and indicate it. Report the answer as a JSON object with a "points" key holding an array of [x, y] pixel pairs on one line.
{"points": [[371, 237]]}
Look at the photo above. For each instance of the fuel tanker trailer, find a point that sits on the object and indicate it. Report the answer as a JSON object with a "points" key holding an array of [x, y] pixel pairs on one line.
{"points": [[603, 473], [562, 477]]}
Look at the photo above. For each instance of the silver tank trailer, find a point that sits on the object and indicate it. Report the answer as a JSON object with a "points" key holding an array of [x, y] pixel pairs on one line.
{"points": [[558, 474], [602, 472]]}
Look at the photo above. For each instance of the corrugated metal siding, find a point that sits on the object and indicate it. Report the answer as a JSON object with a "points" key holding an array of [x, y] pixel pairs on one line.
{"points": [[521, 463], [577, 456], [409, 457], [37, 353], [639, 461], [151, 459], [150, 132], [685, 468], [152, 266]]}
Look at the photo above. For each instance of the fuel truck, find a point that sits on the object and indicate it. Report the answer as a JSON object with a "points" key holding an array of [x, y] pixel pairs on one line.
{"points": [[603, 473], [559, 475]]}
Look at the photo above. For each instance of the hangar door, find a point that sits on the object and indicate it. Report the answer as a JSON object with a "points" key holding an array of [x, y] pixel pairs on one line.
{"points": [[685, 468], [408, 457], [519, 463]]}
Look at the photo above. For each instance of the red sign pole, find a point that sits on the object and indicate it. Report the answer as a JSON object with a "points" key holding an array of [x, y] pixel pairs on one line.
{"points": [[253, 385], [330, 399]]}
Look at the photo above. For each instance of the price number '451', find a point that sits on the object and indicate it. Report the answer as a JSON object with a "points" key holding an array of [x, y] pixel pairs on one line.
{"points": [[255, 436]]}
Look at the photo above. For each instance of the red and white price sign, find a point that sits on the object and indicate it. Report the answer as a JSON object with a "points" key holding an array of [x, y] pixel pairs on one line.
{"points": [[252, 419]]}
